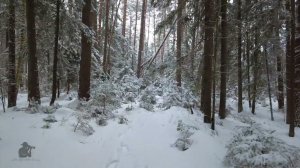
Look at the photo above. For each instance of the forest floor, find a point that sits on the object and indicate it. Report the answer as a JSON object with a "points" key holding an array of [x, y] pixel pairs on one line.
{"points": [[146, 140]]}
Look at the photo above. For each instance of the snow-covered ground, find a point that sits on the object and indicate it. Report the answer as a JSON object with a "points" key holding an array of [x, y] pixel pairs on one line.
{"points": [[146, 141]]}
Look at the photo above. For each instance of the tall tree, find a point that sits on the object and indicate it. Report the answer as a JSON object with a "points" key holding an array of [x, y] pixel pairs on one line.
{"points": [[55, 57], [180, 24], [223, 67], [106, 38], [142, 39], [240, 80], [277, 49], [124, 18], [86, 47], [288, 55], [12, 84], [291, 74], [208, 55], [33, 75]]}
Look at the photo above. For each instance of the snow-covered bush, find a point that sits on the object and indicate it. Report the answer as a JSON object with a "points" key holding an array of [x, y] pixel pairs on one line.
{"points": [[185, 132], [107, 96], [83, 126], [148, 99], [177, 96], [254, 147]]}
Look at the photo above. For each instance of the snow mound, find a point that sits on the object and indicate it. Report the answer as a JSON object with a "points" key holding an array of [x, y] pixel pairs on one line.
{"points": [[254, 146]]}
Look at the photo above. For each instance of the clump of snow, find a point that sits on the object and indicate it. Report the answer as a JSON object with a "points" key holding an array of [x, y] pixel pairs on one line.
{"points": [[256, 147]]}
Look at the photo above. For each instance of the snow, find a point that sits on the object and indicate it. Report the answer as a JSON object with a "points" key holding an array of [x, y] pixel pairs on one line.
{"points": [[146, 141]]}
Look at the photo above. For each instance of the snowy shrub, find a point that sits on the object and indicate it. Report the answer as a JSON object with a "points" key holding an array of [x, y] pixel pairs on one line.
{"points": [[83, 126], [148, 100], [107, 96], [175, 96], [184, 142], [50, 119], [123, 120], [102, 121], [255, 147], [46, 125]]}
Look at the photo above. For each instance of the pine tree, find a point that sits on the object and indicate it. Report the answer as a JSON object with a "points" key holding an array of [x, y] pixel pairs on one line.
{"points": [[33, 75], [86, 46], [12, 84], [223, 67], [55, 57], [206, 89], [142, 39]]}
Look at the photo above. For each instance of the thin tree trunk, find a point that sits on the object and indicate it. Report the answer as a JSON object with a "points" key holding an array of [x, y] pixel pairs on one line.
{"points": [[85, 62], [240, 80], [223, 67], [248, 69], [255, 71], [142, 39], [180, 24], [33, 76], [291, 73], [124, 18], [288, 54], [12, 83], [215, 64], [100, 24], [208, 55], [55, 57], [135, 26], [107, 32], [268, 79]]}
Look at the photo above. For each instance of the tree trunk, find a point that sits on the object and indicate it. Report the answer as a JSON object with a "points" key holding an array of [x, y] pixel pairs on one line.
{"points": [[135, 26], [124, 18], [240, 80], [180, 24], [12, 84], [291, 73], [255, 71], [100, 24], [55, 58], [223, 67], [248, 68], [106, 39], [268, 79], [142, 39], [288, 55], [208, 55], [85, 62], [33, 76], [297, 70]]}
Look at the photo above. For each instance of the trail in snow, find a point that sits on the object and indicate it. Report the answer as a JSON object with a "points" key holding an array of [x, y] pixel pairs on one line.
{"points": [[145, 142]]}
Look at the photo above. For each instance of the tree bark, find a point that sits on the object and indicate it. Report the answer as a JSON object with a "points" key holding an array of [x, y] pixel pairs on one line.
{"points": [[124, 18], [106, 39], [240, 80], [55, 57], [291, 73], [85, 62], [223, 67], [268, 80], [12, 83], [33, 76], [208, 54], [288, 55], [142, 39], [180, 24]]}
